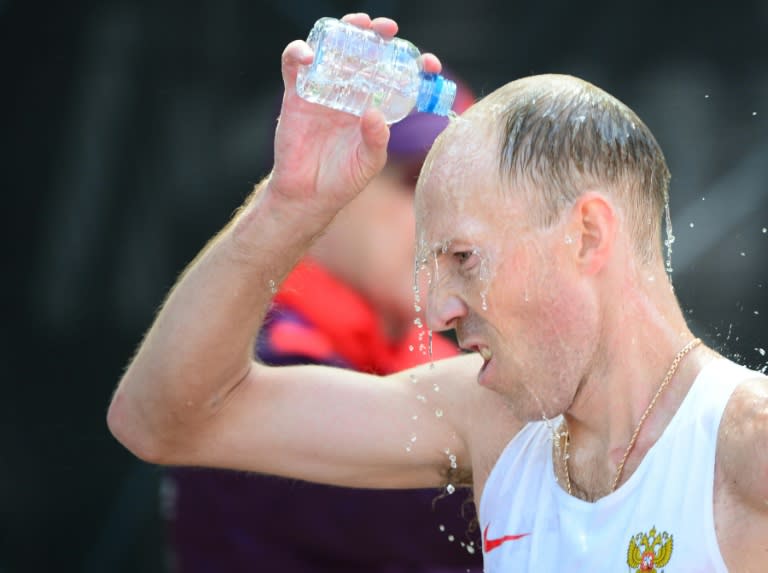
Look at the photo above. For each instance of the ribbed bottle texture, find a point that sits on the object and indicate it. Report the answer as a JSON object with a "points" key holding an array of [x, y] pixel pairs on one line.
{"points": [[356, 69]]}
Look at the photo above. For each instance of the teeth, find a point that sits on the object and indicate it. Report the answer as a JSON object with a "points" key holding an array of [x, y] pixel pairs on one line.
{"points": [[486, 353]]}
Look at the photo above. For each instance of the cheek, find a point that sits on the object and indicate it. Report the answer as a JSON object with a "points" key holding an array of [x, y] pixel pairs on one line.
{"points": [[568, 334], [548, 307]]}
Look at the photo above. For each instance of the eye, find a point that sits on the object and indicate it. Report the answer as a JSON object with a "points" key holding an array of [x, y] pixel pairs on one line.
{"points": [[466, 259]]}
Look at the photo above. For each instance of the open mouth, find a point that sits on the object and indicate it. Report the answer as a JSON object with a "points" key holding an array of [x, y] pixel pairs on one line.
{"points": [[485, 353], [486, 362]]}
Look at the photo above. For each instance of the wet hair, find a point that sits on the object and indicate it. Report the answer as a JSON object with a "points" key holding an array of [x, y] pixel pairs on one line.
{"points": [[561, 136]]}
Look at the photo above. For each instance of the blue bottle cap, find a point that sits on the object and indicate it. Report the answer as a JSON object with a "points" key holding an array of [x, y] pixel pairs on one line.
{"points": [[436, 94]]}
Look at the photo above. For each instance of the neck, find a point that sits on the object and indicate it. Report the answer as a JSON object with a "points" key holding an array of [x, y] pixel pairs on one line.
{"points": [[641, 338]]}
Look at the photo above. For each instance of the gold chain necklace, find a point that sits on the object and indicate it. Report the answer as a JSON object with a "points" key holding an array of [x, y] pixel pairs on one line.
{"points": [[620, 468]]}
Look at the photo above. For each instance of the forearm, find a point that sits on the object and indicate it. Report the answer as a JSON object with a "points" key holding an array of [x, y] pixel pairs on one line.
{"points": [[200, 345]]}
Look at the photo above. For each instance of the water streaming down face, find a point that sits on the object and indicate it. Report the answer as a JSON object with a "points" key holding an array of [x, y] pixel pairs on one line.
{"points": [[545, 390], [429, 275]]}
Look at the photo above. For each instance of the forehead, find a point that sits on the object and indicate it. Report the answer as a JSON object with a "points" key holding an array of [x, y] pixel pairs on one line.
{"points": [[460, 194]]}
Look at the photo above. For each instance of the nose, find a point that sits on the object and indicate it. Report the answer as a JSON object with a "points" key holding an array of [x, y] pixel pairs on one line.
{"points": [[444, 310]]}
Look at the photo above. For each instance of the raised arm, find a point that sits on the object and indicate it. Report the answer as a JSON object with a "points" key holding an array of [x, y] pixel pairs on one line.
{"points": [[193, 395]]}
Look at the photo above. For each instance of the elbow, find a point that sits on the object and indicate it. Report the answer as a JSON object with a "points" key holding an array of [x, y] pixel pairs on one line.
{"points": [[128, 428]]}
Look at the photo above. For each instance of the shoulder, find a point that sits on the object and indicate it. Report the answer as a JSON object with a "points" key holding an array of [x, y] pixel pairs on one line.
{"points": [[742, 438]]}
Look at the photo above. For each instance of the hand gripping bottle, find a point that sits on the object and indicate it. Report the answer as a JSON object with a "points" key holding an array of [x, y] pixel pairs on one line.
{"points": [[355, 69]]}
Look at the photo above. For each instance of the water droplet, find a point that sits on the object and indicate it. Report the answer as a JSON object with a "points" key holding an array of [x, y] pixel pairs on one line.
{"points": [[413, 438], [439, 413], [706, 96], [765, 230], [435, 387], [754, 113], [451, 538], [470, 550], [421, 398], [756, 312], [450, 489], [441, 527], [670, 236], [568, 240], [743, 253], [691, 225], [415, 417], [413, 378], [410, 347], [761, 351], [272, 287], [408, 448]]}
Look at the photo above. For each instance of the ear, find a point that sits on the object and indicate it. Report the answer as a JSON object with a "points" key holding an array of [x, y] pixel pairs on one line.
{"points": [[594, 222]]}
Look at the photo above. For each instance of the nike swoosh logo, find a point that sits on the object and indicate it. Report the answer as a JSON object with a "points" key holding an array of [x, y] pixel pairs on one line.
{"points": [[491, 544]]}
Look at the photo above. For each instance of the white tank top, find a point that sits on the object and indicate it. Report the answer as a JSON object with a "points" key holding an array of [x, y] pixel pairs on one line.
{"points": [[660, 519]]}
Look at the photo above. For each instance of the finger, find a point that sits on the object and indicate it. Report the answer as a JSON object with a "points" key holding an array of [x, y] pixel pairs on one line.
{"points": [[375, 134], [431, 64], [384, 26], [359, 19], [297, 53]]}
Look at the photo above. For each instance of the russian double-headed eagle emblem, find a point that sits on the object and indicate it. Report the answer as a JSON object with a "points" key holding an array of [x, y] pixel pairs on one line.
{"points": [[649, 551]]}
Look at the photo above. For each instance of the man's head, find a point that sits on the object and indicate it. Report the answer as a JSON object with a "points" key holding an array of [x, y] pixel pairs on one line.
{"points": [[559, 136], [527, 207]]}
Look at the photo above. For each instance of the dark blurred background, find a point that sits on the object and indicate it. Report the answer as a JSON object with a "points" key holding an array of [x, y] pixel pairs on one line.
{"points": [[132, 129]]}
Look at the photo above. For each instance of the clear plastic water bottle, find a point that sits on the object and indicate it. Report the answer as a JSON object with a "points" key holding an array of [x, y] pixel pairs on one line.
{"points": [[356, 69]]}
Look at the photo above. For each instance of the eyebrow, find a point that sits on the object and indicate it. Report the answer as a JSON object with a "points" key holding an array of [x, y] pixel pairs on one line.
{"points": [[441, 247]]}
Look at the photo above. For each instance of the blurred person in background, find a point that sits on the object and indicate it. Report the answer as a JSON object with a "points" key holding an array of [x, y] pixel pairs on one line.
{"points": [[349, 303]]}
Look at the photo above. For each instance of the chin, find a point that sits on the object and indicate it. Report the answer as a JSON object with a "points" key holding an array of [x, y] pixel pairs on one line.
{"points": [[523, 401]]}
